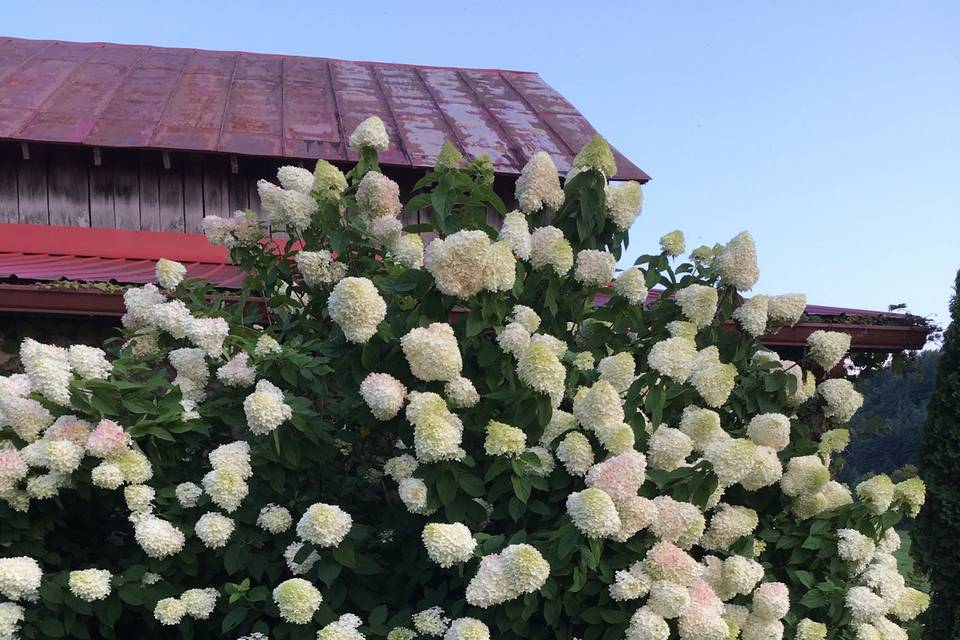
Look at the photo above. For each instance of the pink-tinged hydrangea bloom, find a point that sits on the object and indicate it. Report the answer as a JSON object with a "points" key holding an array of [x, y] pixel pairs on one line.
{"points": [[69, 428], [107, 438], [619, 476], [12, 468], [378, 195], [771, 601], [702, 596], [666, 561]]}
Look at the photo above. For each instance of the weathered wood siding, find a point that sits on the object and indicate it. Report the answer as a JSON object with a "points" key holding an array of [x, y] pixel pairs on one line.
{"points": [[130, 189], [63, 185]]}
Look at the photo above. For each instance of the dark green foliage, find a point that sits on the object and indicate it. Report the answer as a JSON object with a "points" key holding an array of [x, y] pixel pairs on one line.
{"points": [[938, 525]]}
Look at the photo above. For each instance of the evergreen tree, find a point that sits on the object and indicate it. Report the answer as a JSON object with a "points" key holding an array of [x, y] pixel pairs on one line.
{"points": [[938, 526]]}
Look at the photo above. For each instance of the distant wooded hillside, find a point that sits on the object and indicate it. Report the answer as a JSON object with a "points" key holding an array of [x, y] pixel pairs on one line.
{"points": [[885, 433]]}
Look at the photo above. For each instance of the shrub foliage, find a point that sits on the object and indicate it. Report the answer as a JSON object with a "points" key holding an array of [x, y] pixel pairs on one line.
{"points": [[496, 443]]}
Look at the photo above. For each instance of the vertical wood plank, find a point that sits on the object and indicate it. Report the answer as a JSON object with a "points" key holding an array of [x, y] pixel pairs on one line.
{"points": [[150, 191], [238, 197], [9, 200], [193, 194], [69, 187], [32, 188], [216, 197], [126, 196], [170, 192], [171, 200], [101, 194]]}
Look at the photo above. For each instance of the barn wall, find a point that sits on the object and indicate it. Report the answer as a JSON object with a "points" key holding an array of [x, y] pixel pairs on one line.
{"points": [[132, 189]]}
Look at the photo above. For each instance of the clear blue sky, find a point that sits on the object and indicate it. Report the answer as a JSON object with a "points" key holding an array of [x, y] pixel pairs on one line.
{"points": [[830, 130]]}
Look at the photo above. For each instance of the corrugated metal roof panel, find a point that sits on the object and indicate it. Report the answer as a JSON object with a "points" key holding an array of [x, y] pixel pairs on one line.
{"points": [[49, 268], [280, 106]]}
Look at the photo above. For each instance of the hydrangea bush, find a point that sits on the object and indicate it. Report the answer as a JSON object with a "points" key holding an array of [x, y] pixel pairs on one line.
{"points": [[493, 435]]}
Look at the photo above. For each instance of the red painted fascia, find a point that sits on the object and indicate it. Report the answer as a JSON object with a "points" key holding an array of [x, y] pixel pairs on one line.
{"points": [[109, 243]]}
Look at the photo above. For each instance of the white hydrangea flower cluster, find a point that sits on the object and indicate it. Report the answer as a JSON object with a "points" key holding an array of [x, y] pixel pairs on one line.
{"points": [[295, 179], [48, 368], [26, 416], [226, 484], [786, 309], [158, 538], [430, 622], [89, 363], [880, 591], [596, 155], [407, 250], [297, 600], [344, 628], [539, 185], [841, 399], [437, 432], [370, 134], [286, 207], [712, 379], [242, 229], [400, 467], [728, 524], [274, 519], [698, 303], [673, 243], [594, 268], [384, 394], [461, 393], [432, 352], [575, 453], [736, 262], [214, 530], [624, 202], [619, 369], [752, 315], [539, 367], [170, 273], [548, 248], [19, 578], [265, 408], [677, 358], [594, 513], [515, 231], [320, 268], [192, 372], [238, 372], [466, 263], [325, 525], [518, 569], [448, 544], [467, 629], [357, 308], [631, 285], [266, 345], [827, 348], [504, 440], [11, 615], [673, 357]]}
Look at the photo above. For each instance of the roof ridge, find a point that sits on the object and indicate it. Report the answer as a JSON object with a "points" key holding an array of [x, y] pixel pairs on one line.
{"points": [[278, 55]]}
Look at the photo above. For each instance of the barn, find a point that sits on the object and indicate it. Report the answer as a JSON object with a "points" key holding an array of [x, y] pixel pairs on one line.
{"points": [[111, 155]]}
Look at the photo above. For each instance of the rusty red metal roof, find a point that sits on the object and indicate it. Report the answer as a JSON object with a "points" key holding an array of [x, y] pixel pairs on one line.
{"points": [[112, 95], [34, 253]]}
